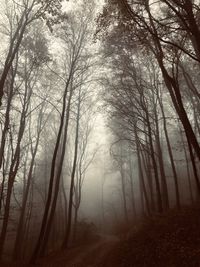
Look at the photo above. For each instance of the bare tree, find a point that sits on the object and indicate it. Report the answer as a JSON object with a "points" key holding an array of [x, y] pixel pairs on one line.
{"points": [[25, 13]]}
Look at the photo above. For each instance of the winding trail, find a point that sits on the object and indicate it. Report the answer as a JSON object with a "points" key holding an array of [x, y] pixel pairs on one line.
{"points": [[87, 256]]}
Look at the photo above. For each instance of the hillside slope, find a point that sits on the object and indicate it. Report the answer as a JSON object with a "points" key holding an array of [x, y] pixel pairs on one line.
{"points": [[171, 240]]}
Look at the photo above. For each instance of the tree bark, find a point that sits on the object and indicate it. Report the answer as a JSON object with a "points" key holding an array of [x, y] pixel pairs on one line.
{"points": [[69, 221], [52, 176], [175, 175]]}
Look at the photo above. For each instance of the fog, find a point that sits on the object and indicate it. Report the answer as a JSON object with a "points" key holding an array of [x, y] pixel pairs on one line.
{"points": [[99, 133]]}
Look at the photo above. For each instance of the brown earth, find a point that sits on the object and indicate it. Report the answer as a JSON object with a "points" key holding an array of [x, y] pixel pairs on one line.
{"points": [[170, 240]]}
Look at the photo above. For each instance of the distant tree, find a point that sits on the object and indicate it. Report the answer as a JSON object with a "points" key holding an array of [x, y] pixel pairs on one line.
{"points": [[86, 154]]}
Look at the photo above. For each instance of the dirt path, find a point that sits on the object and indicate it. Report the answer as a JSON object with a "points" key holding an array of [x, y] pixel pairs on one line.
{"points": [[88, 256]]}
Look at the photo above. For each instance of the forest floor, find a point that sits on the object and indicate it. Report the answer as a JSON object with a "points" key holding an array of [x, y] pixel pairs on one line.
{"points": [[84, 256], [169, 240]]}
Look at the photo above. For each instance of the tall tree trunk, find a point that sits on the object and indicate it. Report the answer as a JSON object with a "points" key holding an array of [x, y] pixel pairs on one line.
{"points": [[171, 157], [5, 169], [69, 221], [147, 168], [141, 176], [7, 114], [52, 176], [188, 168], [175, 94], [157, 183], [11, 178], [123, 187], [65, 203], [75, 223], [57, 179], [20, 229], [6, 126], [161, 162], [132, 185], [196, 176]]}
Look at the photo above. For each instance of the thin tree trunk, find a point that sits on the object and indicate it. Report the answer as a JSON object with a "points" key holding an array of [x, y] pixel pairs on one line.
{"points": [[132, 186], [20, 229], [123, 187], [75, 223], [149, 178], [171, 157], [141, 176], [161, 165], [52, 176], [11, 178], [157, 183], [58, 176], [69, 221]]}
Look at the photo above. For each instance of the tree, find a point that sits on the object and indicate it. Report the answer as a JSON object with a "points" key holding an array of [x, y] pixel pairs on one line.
{"points": [[25, 13], [136, 20], [77, 65], [30, 64]]}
